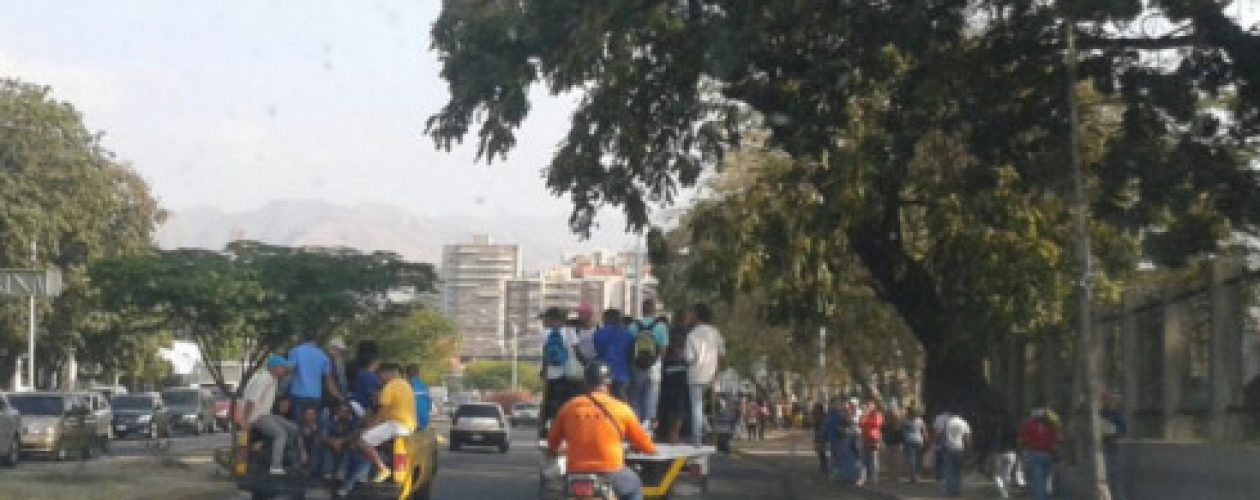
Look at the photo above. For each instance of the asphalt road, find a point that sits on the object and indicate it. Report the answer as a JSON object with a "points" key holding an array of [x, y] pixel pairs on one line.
{"points": [[486, 474]]}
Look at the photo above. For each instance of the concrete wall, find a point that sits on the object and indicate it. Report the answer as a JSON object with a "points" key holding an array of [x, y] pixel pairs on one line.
{"points": [[1195, 471]]}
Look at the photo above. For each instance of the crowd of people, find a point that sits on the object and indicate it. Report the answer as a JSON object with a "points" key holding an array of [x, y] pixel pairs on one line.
{"points": [[326, 418], [662, 367]]}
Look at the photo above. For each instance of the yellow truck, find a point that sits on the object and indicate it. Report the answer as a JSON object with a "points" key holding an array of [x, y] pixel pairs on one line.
{"points": [[413, 460]]}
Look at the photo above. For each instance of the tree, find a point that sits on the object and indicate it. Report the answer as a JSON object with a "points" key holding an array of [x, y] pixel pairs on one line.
{"points": [[77, 202], [497, 376], [412, 335]]}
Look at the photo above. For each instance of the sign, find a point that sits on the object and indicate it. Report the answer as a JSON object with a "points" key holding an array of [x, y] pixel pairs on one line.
{"points": [[30, 282]]}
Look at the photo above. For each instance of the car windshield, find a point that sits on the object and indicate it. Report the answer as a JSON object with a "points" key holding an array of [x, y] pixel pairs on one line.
{"points": [[478, 411], [133, 403], [38, 405], [180, 398]]}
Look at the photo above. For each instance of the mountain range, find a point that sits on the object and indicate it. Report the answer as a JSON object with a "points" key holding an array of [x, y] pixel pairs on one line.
{"points": [[543, 239]]}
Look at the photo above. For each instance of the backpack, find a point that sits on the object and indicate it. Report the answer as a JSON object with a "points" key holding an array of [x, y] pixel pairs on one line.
{"points": [[645, 351], [554, 351]]}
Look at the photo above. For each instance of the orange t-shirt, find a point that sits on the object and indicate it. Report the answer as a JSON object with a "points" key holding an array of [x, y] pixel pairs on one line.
{"points": [[872, 424], [594, 442]]}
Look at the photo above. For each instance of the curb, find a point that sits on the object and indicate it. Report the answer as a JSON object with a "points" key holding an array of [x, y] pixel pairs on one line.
{"points": [[814, 483]]}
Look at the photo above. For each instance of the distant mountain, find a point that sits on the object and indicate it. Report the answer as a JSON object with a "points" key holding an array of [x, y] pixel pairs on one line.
{"points": [[378, 227]]}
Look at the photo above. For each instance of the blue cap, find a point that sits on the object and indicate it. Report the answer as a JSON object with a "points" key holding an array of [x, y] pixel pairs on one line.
{"points": [[276, 360]]}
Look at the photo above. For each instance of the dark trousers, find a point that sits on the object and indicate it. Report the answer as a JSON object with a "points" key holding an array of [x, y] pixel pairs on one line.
{"points": [[620, 390], [558, 392], [300, 405]]}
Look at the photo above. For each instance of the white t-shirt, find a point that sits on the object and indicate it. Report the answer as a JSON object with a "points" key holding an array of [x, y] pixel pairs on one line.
{"points": [[586, 343], [262, 392], [704, 347], [572, 368], [956, 429]]}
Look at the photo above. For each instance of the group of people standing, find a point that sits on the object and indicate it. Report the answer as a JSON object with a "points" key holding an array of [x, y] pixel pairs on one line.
{"points": [[661, 366], [322, 422]]}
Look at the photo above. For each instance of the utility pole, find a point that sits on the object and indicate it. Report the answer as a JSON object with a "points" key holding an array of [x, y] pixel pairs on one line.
{"points": [[1095, 467], [30, 340], [515, 337], [638, 279]]}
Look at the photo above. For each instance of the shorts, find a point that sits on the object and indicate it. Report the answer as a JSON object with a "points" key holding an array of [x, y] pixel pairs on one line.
{"points": [[384, 431]]}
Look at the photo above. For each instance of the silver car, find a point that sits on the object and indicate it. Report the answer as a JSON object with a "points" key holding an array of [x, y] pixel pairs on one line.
{"points": [[10, 433], [480, 424]]}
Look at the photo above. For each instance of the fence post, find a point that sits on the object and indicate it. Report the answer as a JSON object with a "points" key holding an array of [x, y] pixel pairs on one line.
{"points": [[1173, 362]]}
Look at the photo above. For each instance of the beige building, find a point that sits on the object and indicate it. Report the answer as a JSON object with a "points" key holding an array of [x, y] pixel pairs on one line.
{"points": [[473, 293]]}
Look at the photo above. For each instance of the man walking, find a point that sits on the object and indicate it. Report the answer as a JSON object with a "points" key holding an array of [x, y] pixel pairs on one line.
{"points": [[957, 439], [1038, 437], [650, 339], [560, 367], [612, 346], [704, 349], [259, 397]]}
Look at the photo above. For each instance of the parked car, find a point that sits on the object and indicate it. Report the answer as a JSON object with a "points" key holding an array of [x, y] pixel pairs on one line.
{"points": [[222, 408], [141, 414], [479, 424], [101, 418], [10, 433], [54, 423], [191, 409], [525, 414]]}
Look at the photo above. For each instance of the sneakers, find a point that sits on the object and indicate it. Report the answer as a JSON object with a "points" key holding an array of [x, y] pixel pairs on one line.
{"points": [[381, 476]]}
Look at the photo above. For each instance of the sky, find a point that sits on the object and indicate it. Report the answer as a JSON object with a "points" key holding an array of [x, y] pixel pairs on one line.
{"points": [[231, 104]]}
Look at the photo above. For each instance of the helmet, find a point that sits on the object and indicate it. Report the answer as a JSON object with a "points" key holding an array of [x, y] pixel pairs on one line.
{"points": [[596, 374]]}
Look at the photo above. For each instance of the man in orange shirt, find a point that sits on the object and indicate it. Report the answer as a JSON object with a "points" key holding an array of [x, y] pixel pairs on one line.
{"points": [[594, 425]]}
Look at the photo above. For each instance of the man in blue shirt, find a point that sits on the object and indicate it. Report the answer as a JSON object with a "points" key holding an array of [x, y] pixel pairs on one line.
{"points": [[645, 388], [367, 385], [312, 375], [612, 346], [424, 402]]}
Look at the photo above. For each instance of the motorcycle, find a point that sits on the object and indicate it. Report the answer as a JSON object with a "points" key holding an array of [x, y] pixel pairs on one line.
{"points": [[587, 487]]}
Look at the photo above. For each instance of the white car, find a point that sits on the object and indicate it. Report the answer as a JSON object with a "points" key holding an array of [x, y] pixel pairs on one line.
{"points": [[525, 413], [480, 424]]}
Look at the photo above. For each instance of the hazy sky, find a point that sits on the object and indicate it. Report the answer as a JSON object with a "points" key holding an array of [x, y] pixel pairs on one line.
{"points": [[233, 104]]}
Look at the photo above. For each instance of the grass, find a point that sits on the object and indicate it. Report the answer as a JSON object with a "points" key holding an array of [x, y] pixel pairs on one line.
{"points": [[139, 479]]}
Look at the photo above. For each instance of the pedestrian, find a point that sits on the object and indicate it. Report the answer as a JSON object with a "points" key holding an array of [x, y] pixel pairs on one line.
{"points": [[894, 442], [938, 445], [367, 385], [820, 441], [393, 417], [839, 429], [1005, 457], [650, 341], [612, 346], [673, 405], [257, 415], [915, 438], [872, 426], [420, 391], [336, 350], [584, 327], [763, 419], [312, 376], [1038, 437], [1114, 428], [703, 352], [957, 440], [561, 370]]}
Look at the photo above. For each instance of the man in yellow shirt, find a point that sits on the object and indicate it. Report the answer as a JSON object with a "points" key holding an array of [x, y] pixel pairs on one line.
{"points": [[594, 426], [395, 416]]}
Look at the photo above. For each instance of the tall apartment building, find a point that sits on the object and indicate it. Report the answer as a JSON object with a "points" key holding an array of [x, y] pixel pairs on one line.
{"points": [[523, 305], [473, 292]]}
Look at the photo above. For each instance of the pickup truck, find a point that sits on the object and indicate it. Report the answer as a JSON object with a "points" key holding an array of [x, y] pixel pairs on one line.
{"points": [[413, 459]]}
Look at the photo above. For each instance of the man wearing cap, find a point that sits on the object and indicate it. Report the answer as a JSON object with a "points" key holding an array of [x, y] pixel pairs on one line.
{"points": [[260, 396]]}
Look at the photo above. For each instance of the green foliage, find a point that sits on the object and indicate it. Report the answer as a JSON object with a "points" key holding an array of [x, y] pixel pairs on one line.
{"points": [[415, 335], [78, 202], [497, 376], [916, 149]]}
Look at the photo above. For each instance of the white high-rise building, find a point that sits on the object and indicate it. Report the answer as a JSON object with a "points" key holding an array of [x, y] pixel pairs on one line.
{"points": [[473, 293]]}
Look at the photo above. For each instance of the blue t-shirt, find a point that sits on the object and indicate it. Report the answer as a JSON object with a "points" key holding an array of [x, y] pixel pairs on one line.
{"points": [[424, 403], [310, 364], [367, 386], [612, 346]]}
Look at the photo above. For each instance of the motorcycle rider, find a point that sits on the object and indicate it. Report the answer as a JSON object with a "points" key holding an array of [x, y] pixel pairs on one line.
{"points": [[594, 425]]}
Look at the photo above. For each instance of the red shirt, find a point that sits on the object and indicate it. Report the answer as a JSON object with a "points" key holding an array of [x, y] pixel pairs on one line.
{"points": [[871, 425], [1039, 435]]}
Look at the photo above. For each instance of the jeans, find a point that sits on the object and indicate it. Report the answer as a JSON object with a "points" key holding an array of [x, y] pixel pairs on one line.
{"points": [[1003, 472], [914, 459], [696, 393], [870, 463], [644, 394], [283, 435], [331, 462], [359, 467], [1039, 464], [952, 472], [626, 484], [301, 404]]}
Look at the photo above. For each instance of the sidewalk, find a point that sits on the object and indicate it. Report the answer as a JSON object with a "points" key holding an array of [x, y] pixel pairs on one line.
{"points": [[792, 452]]}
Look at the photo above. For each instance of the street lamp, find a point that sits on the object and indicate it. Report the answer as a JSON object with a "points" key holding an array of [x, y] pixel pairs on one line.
{"points": [[515, 337]]}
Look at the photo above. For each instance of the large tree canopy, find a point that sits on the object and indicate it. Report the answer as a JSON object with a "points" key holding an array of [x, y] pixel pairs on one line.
{"points": [[928, 140], [65, 193]]}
